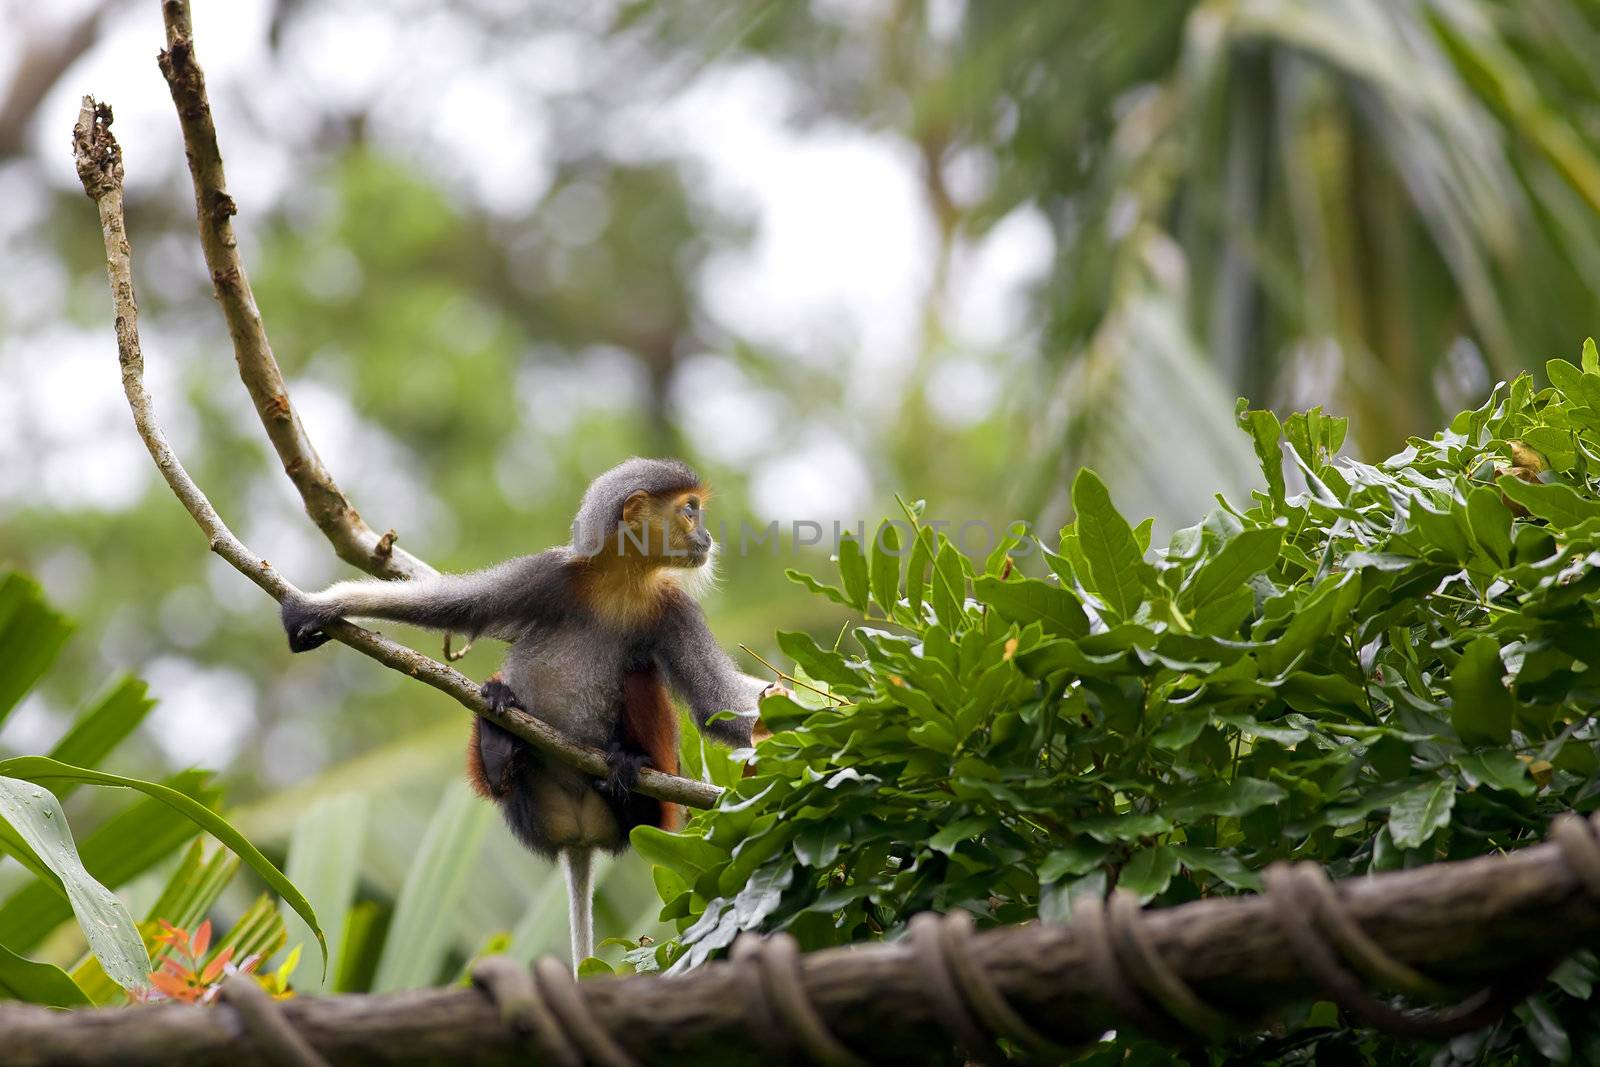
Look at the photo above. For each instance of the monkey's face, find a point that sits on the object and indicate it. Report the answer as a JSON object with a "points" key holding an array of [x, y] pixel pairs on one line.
{"points": [[671, 529]]}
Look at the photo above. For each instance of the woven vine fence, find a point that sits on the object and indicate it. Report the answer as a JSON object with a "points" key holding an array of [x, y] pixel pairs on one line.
{"points": [[1482, 933]]}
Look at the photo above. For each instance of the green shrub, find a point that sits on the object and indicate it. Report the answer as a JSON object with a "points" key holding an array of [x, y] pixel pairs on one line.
{"points": [[1388, 667]]}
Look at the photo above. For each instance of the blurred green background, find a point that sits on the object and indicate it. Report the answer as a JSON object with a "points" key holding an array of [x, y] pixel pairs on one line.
{"points": [[826, 251]]}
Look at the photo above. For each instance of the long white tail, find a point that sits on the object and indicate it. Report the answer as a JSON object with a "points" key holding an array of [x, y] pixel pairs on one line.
{"points": [[576, 866]]}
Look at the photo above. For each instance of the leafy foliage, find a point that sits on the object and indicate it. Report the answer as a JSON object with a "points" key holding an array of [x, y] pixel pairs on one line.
{"points": [[71, 880], [1369, 666]]}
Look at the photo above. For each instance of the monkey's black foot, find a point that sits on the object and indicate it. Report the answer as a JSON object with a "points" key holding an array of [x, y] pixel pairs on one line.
{"points": [[304, 624], [498, 695], [622, 771]]}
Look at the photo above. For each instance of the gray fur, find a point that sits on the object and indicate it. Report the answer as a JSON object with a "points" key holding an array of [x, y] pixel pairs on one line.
{"points": [[595, 526], [565, 664]]}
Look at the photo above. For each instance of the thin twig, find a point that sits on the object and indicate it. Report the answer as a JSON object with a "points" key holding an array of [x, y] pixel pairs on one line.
{"points": [[355, 542], [791, 678], [99, 161]]}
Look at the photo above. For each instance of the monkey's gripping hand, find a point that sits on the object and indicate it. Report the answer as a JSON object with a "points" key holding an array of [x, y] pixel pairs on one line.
{"points": [[305, 623], [622, 767]]}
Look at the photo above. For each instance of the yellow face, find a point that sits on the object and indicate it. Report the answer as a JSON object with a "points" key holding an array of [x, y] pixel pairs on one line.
{"points": [[668, 529]]}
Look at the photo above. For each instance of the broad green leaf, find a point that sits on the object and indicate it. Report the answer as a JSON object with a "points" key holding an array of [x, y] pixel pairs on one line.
{"points": [[103, 727], [684, 853], [38, 983], [1232, 799], [1558, 503], [31, 636], [1480, 706], [1419, 813], [190, 892], [1080, 857], [1498, 768], [853, 571], [886, 566], [1108, 544], [1490, 521], [1129, 827], [948, 587], [419, 938], [917, 570], [324, 860], [819, 663], [1028, 600], [1148, 872], [1221, 863], [1265, 433], [1246, 555], [125, 846], [956, 832], [32, 811], [44, 769]]}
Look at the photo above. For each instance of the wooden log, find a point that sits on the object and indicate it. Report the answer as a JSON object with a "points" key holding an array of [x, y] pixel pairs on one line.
{"points": [[1459, 921]]}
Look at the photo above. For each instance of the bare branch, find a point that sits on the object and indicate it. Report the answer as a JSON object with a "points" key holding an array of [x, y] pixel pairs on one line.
{"points": [[355, 542], [1494, 915], [99, 161]]}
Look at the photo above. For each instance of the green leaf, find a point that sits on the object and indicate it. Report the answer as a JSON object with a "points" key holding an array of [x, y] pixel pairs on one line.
{"points": [[324, 860], [1129, 827], [595, 967], [1247, 554], [831, 592], [1591, 357], [1419, 813], [103, 727], [686, 854], [1080, 857], [853, 571], [819, 663], [1480, 706], [38, 983], [886, 566], [31, 635], [1230, 799], [956, 832], [1497, 768], [1556, 502], [1031, 600], [917, 570], [420, 935], [33, 812], [1221, 863], [1148, 872], [44, 769], [949, 587], [124, 847], [193, 888], [1108, 544], [1490, 522], [1265, 432]]}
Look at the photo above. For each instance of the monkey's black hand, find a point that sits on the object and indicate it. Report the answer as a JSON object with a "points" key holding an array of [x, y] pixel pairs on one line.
{"points": [[304, 623], [623, 767], [498, 695]]}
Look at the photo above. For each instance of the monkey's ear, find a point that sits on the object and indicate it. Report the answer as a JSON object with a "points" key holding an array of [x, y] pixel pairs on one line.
{"points": [[634, 508]]}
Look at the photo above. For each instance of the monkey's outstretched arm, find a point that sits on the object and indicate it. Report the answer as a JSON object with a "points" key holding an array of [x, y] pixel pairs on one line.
{"points": [[703, 674], [501, 601]]}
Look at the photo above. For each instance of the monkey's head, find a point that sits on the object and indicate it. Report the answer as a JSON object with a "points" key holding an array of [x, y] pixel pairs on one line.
{"points": [[645, 509]]}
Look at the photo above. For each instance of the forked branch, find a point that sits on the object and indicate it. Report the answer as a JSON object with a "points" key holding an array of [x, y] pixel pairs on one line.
{"points": [[355, 542], [99, 162]]}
